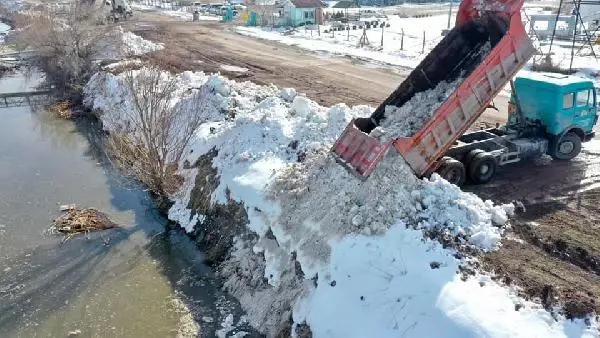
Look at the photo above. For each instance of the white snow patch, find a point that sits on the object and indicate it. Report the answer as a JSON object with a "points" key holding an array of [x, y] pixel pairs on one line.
{"points": [[136, 45], [226, 326], [233, 69], [288, 94], [383, 286], [124, 63], [179, 211]]}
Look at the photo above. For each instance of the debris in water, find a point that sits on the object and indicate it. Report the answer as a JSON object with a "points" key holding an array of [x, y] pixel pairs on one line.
{"points": [[76, 220], [62, 109]]}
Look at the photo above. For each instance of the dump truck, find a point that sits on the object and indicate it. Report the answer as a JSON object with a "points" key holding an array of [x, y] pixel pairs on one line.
{"points": [[549, 114]]}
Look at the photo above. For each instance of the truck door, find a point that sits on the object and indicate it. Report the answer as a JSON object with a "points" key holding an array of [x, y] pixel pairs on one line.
{"points": [[585, 109]]}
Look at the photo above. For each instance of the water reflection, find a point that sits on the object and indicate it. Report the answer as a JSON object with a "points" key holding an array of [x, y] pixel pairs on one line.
{"points": [[134, 281]]}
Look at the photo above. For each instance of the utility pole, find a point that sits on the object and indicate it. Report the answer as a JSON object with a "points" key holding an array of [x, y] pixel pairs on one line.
{"points": [[449, 14], [577, 7], [402, 40]]}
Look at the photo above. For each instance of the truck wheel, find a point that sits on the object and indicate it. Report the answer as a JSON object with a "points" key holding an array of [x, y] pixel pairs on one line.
{"points": [[452, 171], [482, 168], [567, 147], [471, 155]]}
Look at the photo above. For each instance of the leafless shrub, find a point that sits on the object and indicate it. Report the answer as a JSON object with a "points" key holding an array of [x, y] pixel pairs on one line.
{"points": [[66, 46], [546, 64], [150, 137]]}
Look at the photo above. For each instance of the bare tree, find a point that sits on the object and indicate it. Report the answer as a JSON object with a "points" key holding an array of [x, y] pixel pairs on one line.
{"points": [[150, 135], [66, 46]]}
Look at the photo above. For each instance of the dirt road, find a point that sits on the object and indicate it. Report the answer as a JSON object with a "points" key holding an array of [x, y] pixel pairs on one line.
{"points": [[552, 251], [328, 80]]}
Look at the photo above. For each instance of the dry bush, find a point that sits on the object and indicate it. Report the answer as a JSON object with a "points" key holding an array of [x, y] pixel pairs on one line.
{"points": [[149, 139], [66, 46], [546, 64]]}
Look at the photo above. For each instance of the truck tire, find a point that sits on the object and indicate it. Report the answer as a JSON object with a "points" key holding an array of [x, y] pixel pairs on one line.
{"points": [[471, 155], [567, 147], [452, 171], [482, 168]]}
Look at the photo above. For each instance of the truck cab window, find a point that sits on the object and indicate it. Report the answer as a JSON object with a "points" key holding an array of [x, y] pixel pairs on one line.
{"points": [[568, 101], [583, 98]]}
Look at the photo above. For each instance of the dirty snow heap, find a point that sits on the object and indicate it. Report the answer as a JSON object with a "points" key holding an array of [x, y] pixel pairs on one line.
{"points": [[326, 252]]}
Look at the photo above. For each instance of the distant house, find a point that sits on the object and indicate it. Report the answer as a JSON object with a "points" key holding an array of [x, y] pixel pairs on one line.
{"points": [[265, 12], [346, 4], [302, 12]]}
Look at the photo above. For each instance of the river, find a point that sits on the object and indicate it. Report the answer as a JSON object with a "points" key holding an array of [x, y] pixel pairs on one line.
{"points": [[133, 281]]}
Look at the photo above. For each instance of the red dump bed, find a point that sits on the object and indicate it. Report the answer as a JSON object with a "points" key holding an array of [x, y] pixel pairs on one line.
{"points": [[484, 78]]}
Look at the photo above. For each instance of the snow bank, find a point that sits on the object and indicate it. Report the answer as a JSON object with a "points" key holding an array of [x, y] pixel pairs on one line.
{"points": [[233, 69], [345, 256], [136, 45], [128, 44], [385, 286]]}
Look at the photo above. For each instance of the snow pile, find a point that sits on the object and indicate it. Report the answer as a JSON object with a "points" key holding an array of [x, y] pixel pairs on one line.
{"points": [[414, 114], [385, 286], [119, 44], [136, 45], [233, 69], [327, 241]]}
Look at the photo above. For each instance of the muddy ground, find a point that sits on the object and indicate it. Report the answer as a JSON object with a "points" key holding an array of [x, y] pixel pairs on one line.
{"points": [[206, 46], [552, 252]]}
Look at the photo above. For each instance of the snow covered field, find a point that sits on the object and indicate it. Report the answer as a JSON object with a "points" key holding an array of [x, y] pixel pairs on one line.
{"points": [[338, 43], [344, 44], [182, 13], [348, 258]]}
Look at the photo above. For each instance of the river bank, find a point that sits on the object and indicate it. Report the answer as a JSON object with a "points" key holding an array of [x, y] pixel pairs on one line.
{"points": [[141, 279], [294, 235]]}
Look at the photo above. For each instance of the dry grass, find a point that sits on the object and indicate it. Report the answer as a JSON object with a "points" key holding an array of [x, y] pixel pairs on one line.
{"points": [[62, 109]]}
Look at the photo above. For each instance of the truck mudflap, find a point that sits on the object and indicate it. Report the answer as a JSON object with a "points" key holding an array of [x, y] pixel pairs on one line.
{"points": [[359, 152]]}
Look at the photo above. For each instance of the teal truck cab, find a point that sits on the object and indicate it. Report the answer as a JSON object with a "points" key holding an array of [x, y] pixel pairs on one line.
{"points": [[548, 114], [562, 108]]}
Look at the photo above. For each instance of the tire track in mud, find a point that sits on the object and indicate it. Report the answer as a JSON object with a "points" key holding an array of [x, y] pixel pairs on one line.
{"points": [[552, 250]]}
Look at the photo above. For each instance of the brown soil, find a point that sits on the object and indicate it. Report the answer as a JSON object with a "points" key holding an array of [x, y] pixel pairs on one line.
{"points": [[328, 80], [553, 254]]}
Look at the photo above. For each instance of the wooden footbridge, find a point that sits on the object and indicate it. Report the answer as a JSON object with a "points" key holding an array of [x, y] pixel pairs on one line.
{"points": [[18, 99]]}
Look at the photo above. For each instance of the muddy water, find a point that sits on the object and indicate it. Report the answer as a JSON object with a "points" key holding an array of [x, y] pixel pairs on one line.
{"points": [[135, 281]]}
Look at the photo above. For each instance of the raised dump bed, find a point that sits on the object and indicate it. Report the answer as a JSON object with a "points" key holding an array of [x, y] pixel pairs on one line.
{"points": [[479, 56]]}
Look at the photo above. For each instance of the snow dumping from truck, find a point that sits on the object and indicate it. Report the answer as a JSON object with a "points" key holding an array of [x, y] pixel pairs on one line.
{"points": [[345, 257], [486, 48], [436, 77]]}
